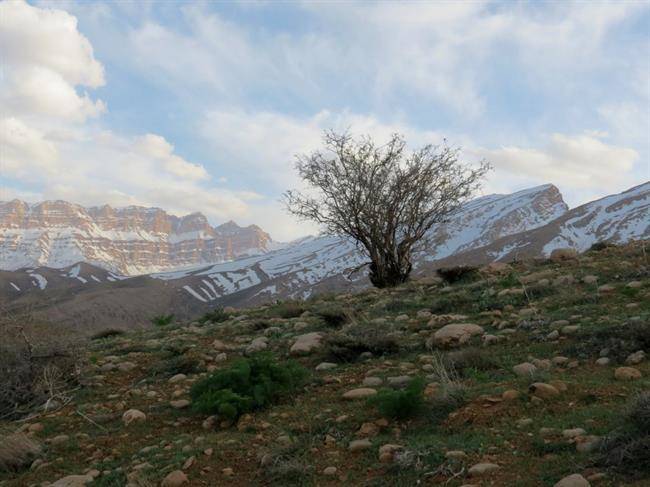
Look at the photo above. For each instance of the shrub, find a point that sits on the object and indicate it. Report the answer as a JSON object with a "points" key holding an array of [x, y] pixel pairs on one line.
{"points": [[601, 245], [400, 404], [461, 273], [333, 316], [108, 333], [37, 362], [217, 315], [178, 364], [163, 320], [287, 310], [347, 348], [17, 451], [249, 384], [627, 448], [621, 340], [470, 358]]}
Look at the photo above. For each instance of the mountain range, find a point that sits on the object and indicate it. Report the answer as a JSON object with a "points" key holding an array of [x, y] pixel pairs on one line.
{"points": [[247, 267]]}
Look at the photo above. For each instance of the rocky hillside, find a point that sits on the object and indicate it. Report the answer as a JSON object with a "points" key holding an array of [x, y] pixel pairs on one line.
{"points": [[523, 374], [127, 241]]}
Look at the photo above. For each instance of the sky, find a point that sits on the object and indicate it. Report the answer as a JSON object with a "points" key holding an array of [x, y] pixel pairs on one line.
{"points": [[202, 106]]}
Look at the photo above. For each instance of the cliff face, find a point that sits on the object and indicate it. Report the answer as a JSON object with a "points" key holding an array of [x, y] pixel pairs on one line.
{"points": [[132, 240]]}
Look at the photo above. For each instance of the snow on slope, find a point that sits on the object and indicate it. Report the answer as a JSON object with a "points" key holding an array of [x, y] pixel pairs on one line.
{"points": [[311, 261]]}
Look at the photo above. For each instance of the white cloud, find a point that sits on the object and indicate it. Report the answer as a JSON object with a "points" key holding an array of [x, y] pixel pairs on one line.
{"points": [[583, 166], [44, 58]]}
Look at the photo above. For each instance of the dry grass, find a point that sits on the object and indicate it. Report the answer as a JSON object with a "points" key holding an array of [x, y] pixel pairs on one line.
{"points": [[17, 451]]}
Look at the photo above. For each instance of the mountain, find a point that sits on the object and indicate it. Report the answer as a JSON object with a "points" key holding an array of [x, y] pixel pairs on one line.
{"points": [[616, 219], [129, 241], [298, 270]]}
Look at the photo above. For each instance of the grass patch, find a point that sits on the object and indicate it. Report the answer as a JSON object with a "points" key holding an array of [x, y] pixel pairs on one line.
{"points": [[398, 404]]}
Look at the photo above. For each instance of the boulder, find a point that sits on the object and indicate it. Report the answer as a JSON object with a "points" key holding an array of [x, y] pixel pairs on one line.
{"points": [[627, 373], [454, 335], [361, 393], [575, 480], [482, 469], [73, 481], [542, 390], [525, 369], [306, 343], [562, 254], [174, 479], [133, 416]]}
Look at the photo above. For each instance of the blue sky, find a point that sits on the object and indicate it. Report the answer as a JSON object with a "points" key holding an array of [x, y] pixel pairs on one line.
{"points": [[200, 106]]}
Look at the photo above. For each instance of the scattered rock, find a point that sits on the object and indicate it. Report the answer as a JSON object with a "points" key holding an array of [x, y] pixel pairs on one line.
{"points": [[482, 469], [525, 369], [179, 404], [453, 335], [359, 445], [325, 366], [174, 479], [306, 343], [562, 254], [627, 373], [635, 358], [575, 480], [133, 416], [603, 361], [177, 378], [73, 481], [360, 393], [330, 471], [387, 452], [542, 390]]}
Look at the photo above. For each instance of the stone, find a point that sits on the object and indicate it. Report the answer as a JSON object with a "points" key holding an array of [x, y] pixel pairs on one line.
{"points": [[73, 481], [360, 393], [454, 335], [635, 358], [177, 378], [627, 373], [372, 382], [482, 469], [359, 445], [174, 479], [133, 416], [456, 454], [572, 433], [525, 369], [307, 343], [542, 390], [399, 381], [634, 284], [387, 452], [59, 440], [126, 366], [510, 395], [570, 329], [606, 289], [590, 279], [257, 345], [325, 366], [179, 404], [559, 360], [330, 471], [587, 444], [554, 335], [227, 472], [575, 480], [603, 361]]}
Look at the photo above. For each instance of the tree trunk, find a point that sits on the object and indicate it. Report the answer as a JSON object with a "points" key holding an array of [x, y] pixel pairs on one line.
{"points": [[385, 274]]}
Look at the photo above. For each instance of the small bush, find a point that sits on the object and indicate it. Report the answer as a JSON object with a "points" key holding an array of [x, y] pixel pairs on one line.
{"points": [[217, 315], [621, 340], [287, 310], [333, 316], [402, 404], [347, 348], [602, 245], [178, 364], [470, 358], [163, 320], [627, 448], [17, 451], [108, 333], [461, 273], [249, 384], [452, 397]]}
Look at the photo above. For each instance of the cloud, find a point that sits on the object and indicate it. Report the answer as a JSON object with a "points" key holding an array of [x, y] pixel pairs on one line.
{"points": [[580, 164], [44, 58]]}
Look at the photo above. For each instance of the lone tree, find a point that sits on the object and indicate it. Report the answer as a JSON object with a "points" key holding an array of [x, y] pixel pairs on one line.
{"points": [[385, 197]]}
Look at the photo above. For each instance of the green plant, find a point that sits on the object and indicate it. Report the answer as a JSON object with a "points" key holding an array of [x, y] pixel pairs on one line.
{"points": [[108, 333], [347, 348], [249, 384], [217, 315], [601, 245], [178, 364], [400, 404], [461, 273], [287, 310], [163, 320]]}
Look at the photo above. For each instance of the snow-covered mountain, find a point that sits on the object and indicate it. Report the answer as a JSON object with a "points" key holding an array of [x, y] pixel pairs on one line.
{"points": [[132, 240], [528, 223]]}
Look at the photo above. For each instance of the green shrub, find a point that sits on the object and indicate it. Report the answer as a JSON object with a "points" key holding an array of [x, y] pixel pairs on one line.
{"points": [[249, 384], [163, 320], [400, 404], [287, 310], [217, 315], [602, 245], [621, 340], [472, 358], [178, 364], [461, 273]]}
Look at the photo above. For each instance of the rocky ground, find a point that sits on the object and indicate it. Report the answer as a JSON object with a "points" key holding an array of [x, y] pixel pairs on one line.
{"points": [[528, 367]]}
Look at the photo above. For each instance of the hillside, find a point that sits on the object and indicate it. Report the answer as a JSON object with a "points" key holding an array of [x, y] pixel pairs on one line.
{"points": [[528, 371]]}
